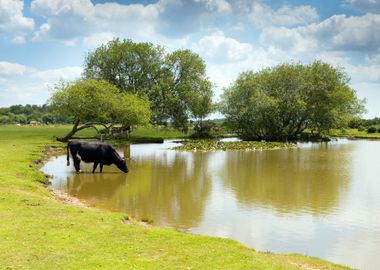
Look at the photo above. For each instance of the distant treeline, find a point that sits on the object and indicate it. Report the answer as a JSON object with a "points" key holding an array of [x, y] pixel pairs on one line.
{"points": [[364, 123], [24, 114]]}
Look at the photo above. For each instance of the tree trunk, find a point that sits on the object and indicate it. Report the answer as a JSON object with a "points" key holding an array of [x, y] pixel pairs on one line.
{"points": [[71, 133], [75, 129]]}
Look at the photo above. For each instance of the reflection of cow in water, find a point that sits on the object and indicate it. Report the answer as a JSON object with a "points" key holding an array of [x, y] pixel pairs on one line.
{"points": [[97, 152]]}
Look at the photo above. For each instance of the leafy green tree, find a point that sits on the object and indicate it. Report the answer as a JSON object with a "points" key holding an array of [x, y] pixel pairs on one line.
{"points": [[91, 103], [48, 118], [281, 102], [171, 82], [201, 104], [21, 118], [130, 66], [34, 116], [332, 102], [188, 91], [4, 119]]}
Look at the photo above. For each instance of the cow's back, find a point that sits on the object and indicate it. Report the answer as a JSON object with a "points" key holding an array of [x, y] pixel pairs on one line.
{"points": [[94, 151]]}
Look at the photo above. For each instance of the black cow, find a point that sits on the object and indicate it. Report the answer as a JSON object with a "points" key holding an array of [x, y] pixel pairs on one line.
{"points": [[97, 152]]}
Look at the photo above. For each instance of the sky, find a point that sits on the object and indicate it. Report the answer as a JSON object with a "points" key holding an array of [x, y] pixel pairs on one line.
{"points": [[43, 42]]}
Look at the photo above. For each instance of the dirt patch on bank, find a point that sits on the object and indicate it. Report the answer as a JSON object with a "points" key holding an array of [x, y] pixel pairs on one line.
{"points": [[49, 152], [67, 199]]}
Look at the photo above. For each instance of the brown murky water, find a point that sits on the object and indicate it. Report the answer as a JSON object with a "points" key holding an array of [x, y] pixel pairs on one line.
{"points": [[322, 199]]}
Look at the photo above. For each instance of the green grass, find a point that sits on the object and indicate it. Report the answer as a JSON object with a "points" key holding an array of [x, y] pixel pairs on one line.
{"points": [[151, 132], [354, 133], [39, 231]]}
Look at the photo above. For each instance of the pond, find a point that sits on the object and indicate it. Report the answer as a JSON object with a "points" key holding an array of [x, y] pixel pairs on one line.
{"points": [[320, 199]]}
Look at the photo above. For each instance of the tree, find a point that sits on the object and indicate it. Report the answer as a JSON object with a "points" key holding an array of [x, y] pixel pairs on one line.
{"points": [[4, 119], [169, 81], [188, 91], [332, 102], [130, 66], [92, 103], [281, 102], [21, 119]]}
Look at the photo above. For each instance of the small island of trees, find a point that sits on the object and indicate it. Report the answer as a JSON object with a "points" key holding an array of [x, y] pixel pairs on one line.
{"points": [[280, 103]]}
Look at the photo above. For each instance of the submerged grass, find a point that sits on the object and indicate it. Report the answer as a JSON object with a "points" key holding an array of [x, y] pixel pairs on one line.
{"points": [[37, 231], [216, 145]]}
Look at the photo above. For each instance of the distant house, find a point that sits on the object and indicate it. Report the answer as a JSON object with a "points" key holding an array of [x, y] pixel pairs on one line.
{"points": [[34, 123]]}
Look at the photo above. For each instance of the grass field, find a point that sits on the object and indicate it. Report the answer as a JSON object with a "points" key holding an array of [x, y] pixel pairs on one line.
{"points": [[354, 133], [39, 231]]}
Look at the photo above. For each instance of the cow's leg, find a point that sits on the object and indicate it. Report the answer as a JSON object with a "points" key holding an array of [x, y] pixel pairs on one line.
{"points": [[94, 168], [75, 159], [101, 167], [77, 164]]}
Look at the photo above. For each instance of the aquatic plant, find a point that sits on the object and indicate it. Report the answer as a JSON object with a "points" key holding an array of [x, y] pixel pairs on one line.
{"points": [[216, 145]]}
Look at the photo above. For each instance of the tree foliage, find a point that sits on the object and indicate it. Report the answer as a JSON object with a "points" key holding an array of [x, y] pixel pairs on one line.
{"points": [[23, 114], [364, 123], [92, 102], [279, 103], [175, 83], [188, 91]]}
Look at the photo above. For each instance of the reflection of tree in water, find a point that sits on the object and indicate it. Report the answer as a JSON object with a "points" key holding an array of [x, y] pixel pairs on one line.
{"points": [[98, 186], [290, 180], [169, 190]]}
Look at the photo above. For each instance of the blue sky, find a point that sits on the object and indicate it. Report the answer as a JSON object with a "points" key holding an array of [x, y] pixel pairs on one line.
{"points": [[45, 41]]}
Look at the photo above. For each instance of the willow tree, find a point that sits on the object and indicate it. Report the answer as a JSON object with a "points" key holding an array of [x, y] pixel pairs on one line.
{"points": [[92, 103], [281, 102]]}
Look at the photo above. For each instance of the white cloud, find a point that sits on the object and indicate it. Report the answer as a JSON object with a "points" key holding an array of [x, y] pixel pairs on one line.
{"points": [[223, 74], [11, 69], [364, 73], [339, 32], [263, 15], [218, 48], [227, 57], [221, 6], [68, 20], [368, 72], [178, 18], [12, 18], [371, 92], [54, 75], [97, 39], [290, 40], [27, 85], [374, 59], [18, 39], [365, 5]]}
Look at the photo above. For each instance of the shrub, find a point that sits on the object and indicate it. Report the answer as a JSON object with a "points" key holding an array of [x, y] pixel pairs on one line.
{"points": [[372, 129], [206, 130]]}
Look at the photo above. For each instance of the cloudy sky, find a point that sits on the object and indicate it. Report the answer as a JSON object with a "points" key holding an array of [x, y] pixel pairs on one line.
{"points": [[45, 41]]}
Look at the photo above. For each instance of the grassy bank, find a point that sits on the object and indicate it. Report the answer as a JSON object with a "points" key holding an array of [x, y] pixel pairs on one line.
{"points": [[38, 231], [356, 134]]}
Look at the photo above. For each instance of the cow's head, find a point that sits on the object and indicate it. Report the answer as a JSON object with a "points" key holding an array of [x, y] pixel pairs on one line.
{"points": [[122, 165]]}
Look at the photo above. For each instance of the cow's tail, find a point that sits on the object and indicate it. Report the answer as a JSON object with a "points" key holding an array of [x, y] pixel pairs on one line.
{"points": [[68, 158]]}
